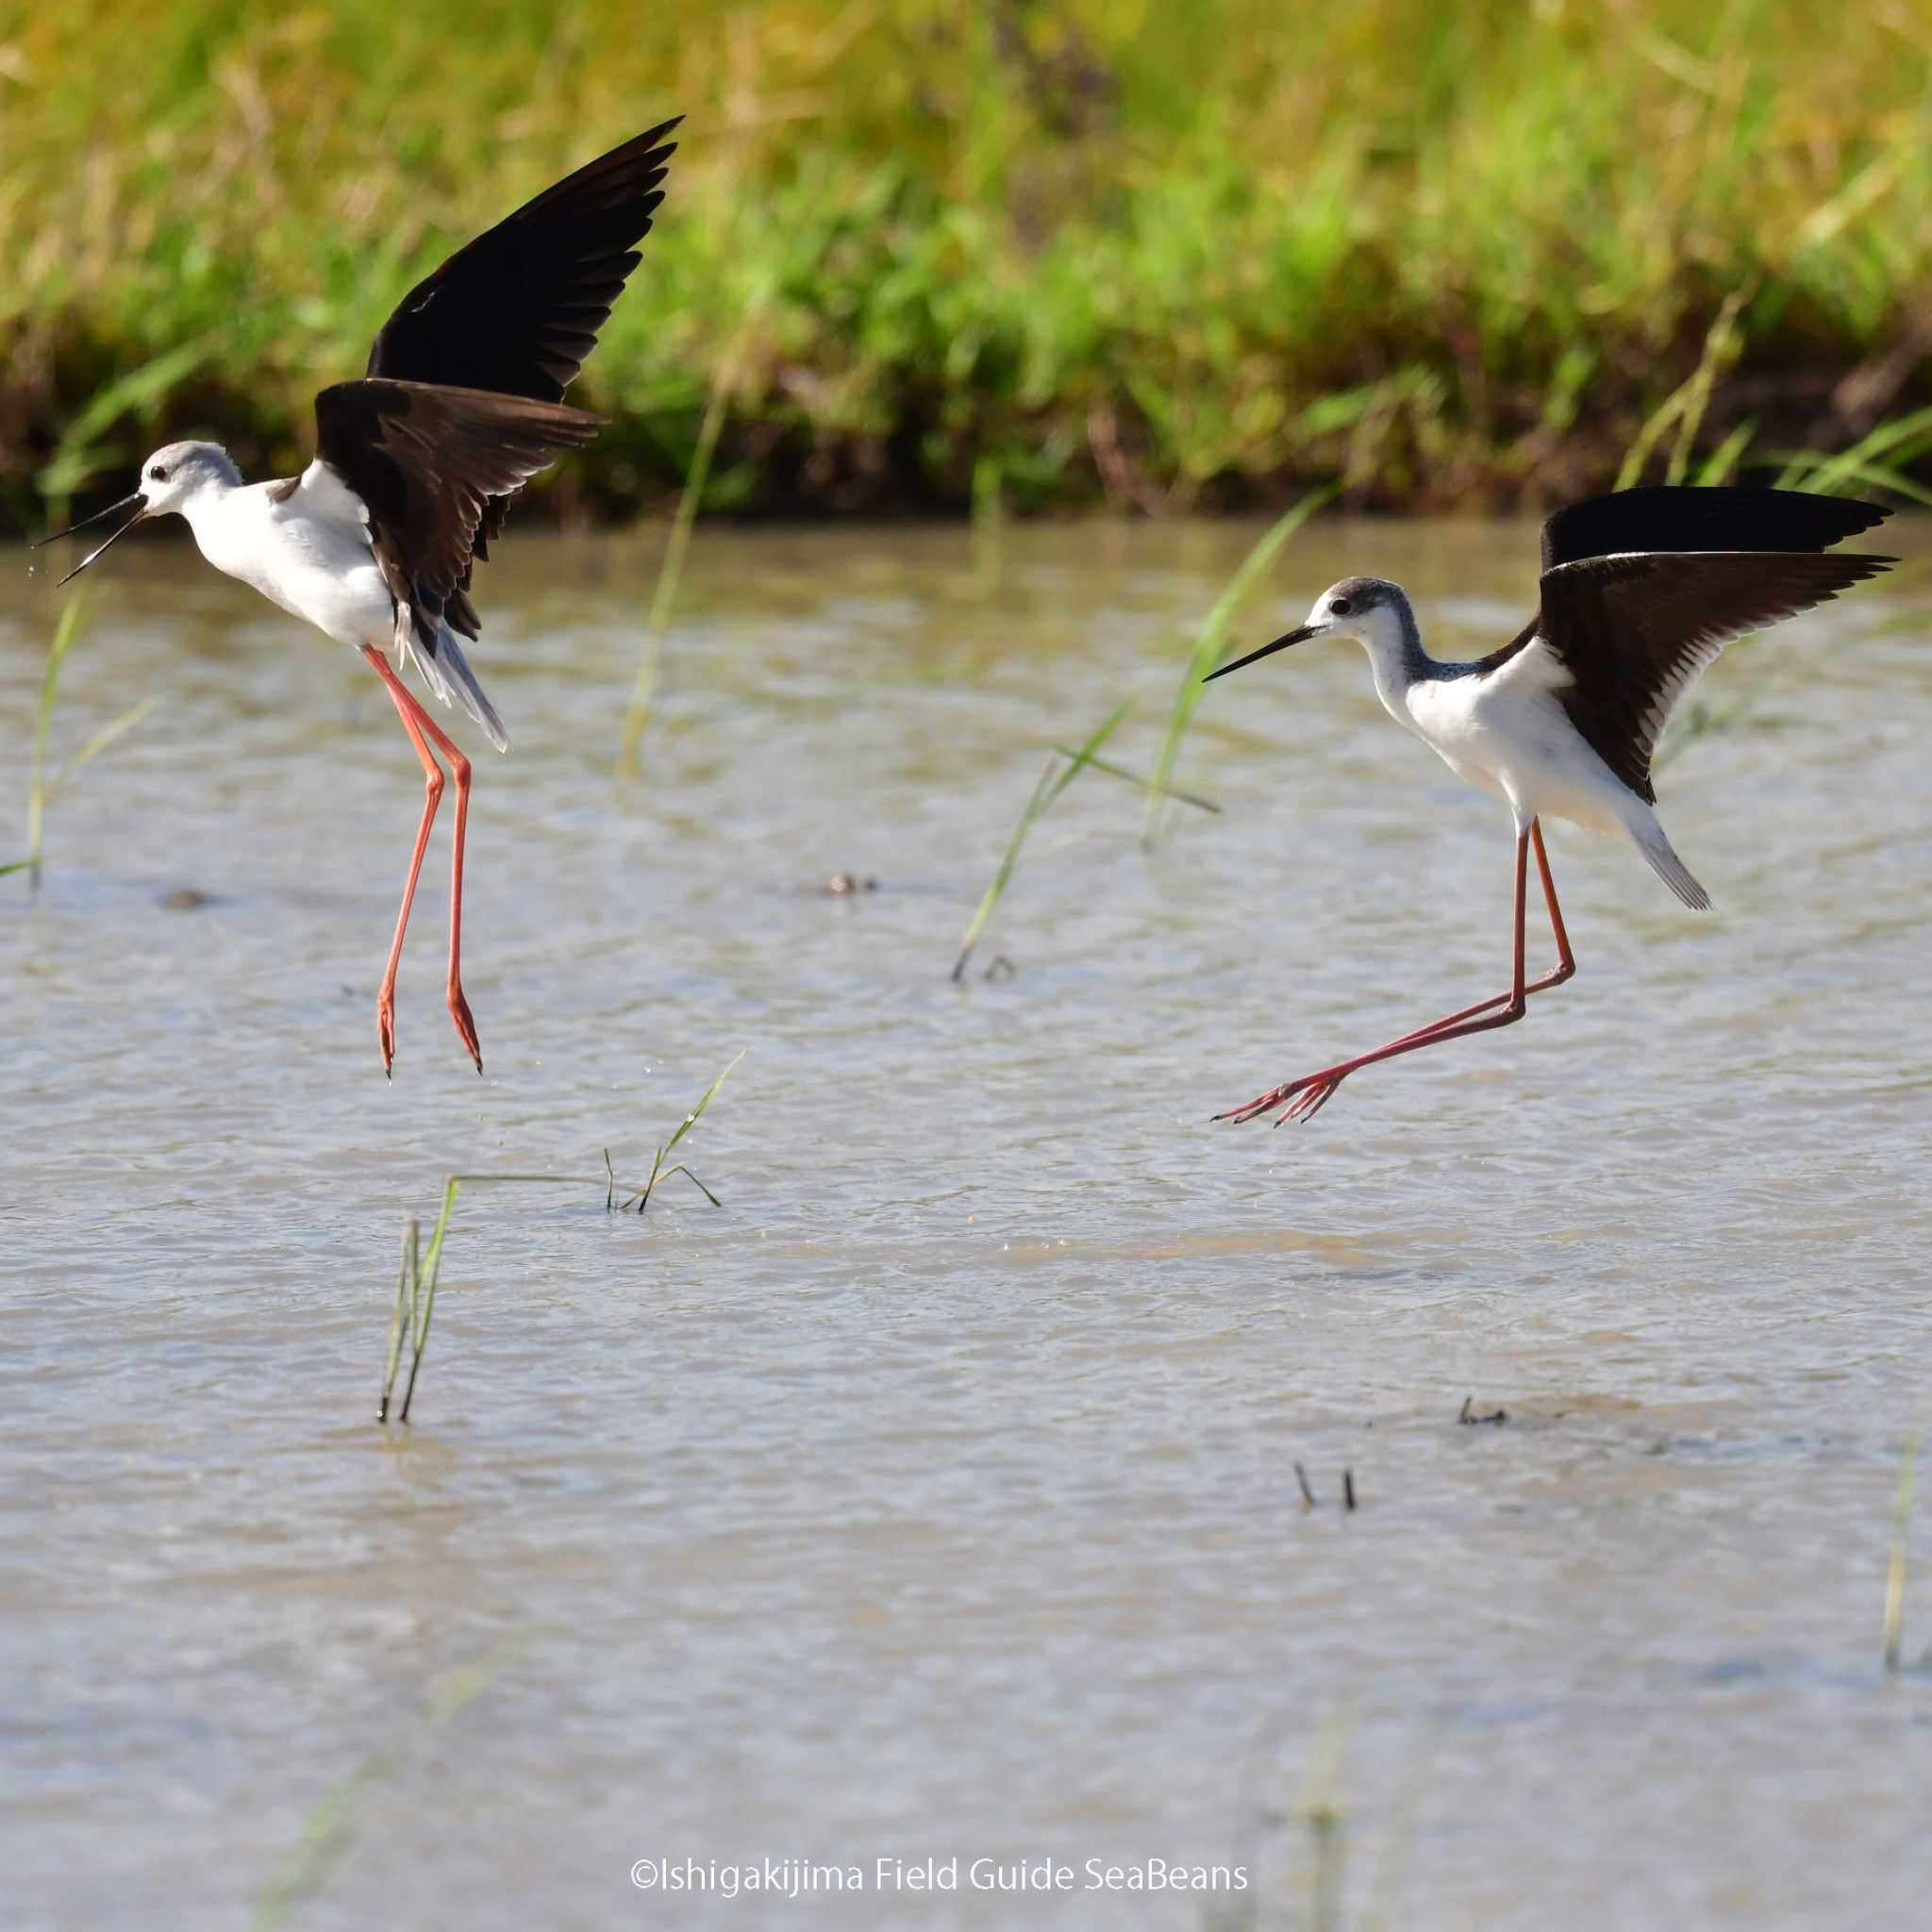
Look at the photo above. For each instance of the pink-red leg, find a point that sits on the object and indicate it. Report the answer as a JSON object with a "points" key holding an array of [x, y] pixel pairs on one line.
{"points": [[1304, 1098], [432, 785], [1564, 969], [422, 728]]}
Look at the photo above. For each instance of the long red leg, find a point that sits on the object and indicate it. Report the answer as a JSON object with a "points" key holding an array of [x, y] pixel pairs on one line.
{"points": [[1564, 969], [1566, 961], [1305, 1098], [416, 722], [432, 785]]}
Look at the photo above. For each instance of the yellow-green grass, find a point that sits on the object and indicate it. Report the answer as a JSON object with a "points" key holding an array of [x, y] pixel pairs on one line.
{"points": [[422, 1269], [43, 783], [1162, 254]]}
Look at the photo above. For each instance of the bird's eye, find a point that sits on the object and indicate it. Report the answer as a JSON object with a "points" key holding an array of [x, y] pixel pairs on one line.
{"points": [[157, 472], [1337, 607]]}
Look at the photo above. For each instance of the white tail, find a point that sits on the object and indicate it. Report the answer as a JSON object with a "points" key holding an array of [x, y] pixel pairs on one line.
{"points": [[1671, 869], [448, 674]]}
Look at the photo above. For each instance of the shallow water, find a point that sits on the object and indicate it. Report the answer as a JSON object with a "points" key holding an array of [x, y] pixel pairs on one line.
{"points": [[935, 1497]]}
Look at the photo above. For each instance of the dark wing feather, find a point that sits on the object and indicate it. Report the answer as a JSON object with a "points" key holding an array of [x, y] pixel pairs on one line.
{"points": [[517, 310], [1670, 520], [426, 460], [1685, 519], [1634, 631]]}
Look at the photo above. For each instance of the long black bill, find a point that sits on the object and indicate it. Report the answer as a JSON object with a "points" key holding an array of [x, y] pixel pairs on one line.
{"points": [[100, 516], [137, 502], [1294, 637]]}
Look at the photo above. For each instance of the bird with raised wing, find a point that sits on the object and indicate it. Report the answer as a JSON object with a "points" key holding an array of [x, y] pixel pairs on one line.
{"points": [[375, 541], [1640, 591]]}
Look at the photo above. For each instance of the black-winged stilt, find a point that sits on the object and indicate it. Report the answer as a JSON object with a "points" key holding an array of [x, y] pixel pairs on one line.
{"points": [[415, 465], [1640, 591]]}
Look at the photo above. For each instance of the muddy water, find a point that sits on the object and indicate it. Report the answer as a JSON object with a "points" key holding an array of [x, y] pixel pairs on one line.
{"points": [[935, 1499]]}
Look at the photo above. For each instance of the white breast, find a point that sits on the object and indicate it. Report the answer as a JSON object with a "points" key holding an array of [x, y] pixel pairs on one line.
{"points": [[1509, 735], [308, 553]]}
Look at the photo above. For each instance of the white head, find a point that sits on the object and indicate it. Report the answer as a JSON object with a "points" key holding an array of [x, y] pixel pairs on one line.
{"points": [[1371, 610], [180, 470], [171, 479]]}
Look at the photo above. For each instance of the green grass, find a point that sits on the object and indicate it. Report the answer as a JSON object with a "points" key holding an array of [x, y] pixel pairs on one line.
{"points": [[640, 1198], [1210, 646], [415, 1302], [42, 785], [1062, 767], [636, 710], [1323, 1812], [1090, 250], [330, 1829], [1060, 770]]}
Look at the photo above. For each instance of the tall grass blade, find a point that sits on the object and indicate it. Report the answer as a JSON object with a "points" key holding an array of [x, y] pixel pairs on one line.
{"points": [[691, 1119], [1846, 477], [1720, 465], [1059, 772], [1322, 1811], [42, 787], [1210, 646], [100, 741], [416, 1283], [1684, 407], [693, 1178], [422, 1297], [1135, 779], [641, 1199], [1899, 440], [326, 1832], [65, 633], [989, 520], [1895, 1572], [1385, 1880], [1721, 347], [1804, 471], [397, 1322], [637, 713]]}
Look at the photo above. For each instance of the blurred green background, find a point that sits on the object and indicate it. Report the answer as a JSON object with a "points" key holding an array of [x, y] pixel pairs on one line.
{"points": [[1163, 256]]}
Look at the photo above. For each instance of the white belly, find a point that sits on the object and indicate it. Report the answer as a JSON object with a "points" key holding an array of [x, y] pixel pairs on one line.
{"points": [[315, 566], [1509, 735]]}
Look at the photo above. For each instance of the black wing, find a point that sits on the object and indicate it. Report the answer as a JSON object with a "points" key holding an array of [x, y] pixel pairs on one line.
{"points": [[1629, 671], [1634, 630], [1682, 519], [518, 309], [426, 461]]}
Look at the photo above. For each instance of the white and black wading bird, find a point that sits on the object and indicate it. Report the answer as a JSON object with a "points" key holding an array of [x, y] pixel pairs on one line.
{"points": [[374, 541], [1640, 591]]}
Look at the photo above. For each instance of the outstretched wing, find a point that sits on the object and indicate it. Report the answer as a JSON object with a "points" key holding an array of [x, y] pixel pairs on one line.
{"points": [[1679, 518], [1635, 630], [517, 310], [426, 459], [1711, 559]]}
